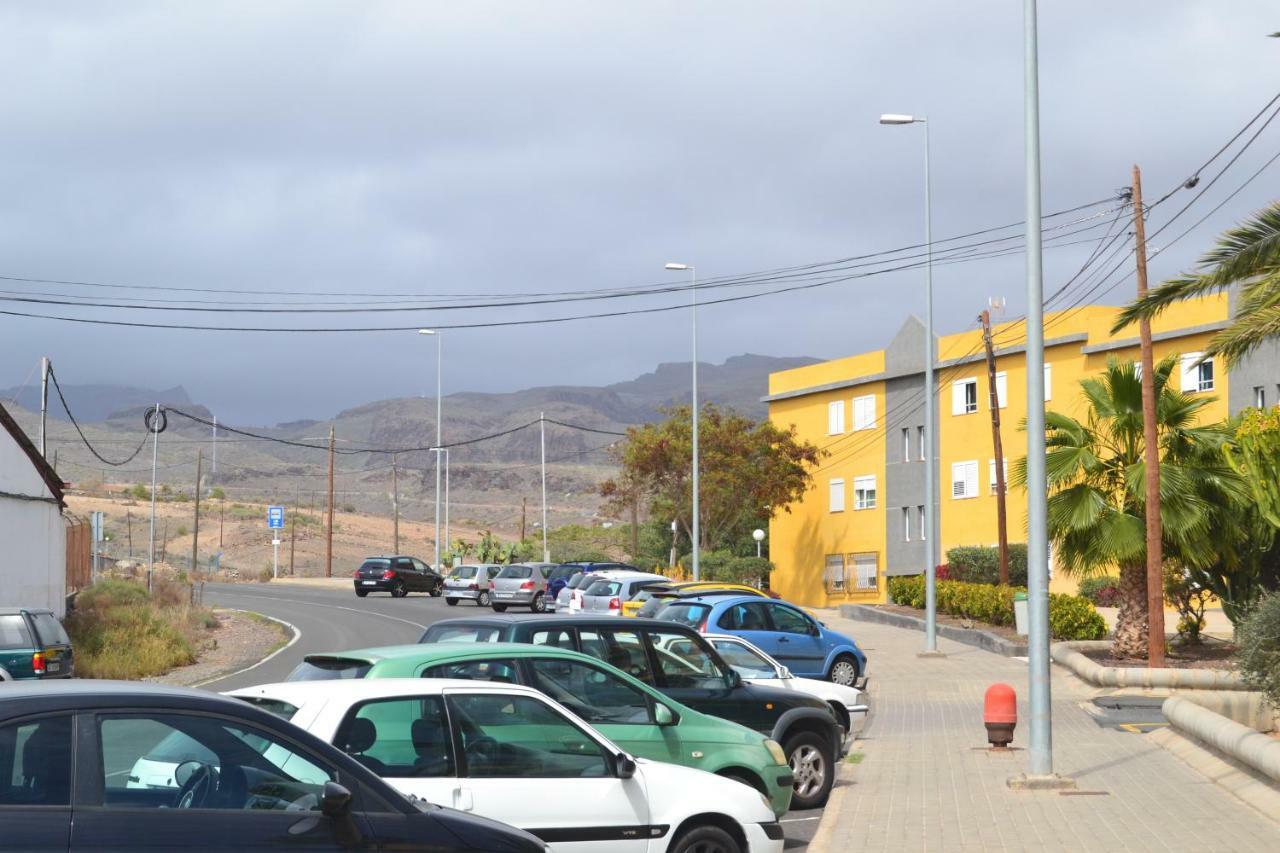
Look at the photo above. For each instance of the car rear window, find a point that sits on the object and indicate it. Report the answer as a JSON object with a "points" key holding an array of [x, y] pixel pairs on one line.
{"points": [[578, 579], [603, 588], [14, 633], [515, 572], [564, 571], [684, 613], [279, 707], [50, 630], [330, 669], [460, 634], [464, 572], [376, 564]]}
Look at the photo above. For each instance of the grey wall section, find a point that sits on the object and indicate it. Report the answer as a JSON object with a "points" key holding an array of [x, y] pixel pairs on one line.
{"points": [[904, 480], [1259, 369]]}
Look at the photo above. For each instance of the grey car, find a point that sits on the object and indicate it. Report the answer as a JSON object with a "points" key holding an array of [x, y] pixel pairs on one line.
{"points": [[607, 593], [470, 582], [521, 585]]}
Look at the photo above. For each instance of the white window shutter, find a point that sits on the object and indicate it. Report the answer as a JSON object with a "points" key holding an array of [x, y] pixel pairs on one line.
{"points": [[1190, 376], [957, 480], [835, 417], [1048, 382], [957, 398], [870, 413], [1002, 389], [835, 497]]}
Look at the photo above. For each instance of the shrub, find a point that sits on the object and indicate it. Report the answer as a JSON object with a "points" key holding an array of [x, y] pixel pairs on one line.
{"points": [[218, 494], [1189, 598], [139, 492], [943, 573], [1070, 617], [1102, 590], [1259, 656], [981, 564], [266, 575]]}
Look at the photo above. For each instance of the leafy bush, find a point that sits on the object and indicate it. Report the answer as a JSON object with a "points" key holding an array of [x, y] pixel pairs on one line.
{"points": [[217, 493], [1070, 617], [1102, 590], [139, 493], [981, 564], [1259, 656], [725, 566], [266, 575], [1189, 598]]}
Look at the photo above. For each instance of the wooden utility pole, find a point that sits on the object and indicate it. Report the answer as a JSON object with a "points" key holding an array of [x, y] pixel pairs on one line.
{"points": [[328, 536], [395, 504], [222, 516], [635, 526], [195, 529], [128, 522], [1151, 448], [524, 505], [164, 541], [998, 446], [293, 536]]}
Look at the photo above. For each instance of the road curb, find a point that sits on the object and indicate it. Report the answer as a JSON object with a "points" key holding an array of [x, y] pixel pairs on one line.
{"points": [[1242, 781], [297, 635], [1240, 742], [984, 640], [831, 812], [1070, 654]]}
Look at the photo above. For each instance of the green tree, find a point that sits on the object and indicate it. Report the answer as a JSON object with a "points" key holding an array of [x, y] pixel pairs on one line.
{"points": [[1247, 255], [1097, 496], [748, 472]]}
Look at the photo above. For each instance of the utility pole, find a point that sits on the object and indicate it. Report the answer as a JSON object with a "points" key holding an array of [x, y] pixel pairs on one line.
{"points": [[1001, 523], [195, 529], [155, 450], [635, 526], [293, 529], [1151, 448], [164, 541], [328, 540], [128, 523], [213, 474], [524, 507], [542, 428], [395, 505], [222, 516], [44, 403]]}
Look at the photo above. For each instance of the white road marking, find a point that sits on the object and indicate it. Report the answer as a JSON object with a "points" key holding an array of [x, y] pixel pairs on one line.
{"points": [[333, 606], [798, 819]]}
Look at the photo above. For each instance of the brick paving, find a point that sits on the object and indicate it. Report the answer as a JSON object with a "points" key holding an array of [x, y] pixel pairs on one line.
{"points": [[926, 783]]}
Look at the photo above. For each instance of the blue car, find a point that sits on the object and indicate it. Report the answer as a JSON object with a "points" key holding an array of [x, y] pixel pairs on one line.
{"points": [[561, 574], [792, 637]]}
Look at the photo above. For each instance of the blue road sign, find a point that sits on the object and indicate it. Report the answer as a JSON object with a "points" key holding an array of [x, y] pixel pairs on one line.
{"points": [[275, 517]]}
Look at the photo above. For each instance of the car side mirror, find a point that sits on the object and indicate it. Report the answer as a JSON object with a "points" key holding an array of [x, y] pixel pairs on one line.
{"points": [[623, 766], [335, 801], [663, 716]]}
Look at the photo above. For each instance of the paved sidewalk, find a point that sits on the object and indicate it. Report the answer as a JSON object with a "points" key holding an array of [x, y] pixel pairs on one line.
{"points": [[926, 784]]}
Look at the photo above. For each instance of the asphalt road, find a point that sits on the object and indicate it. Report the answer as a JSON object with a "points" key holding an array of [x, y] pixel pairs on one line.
{"points": [[334, 619]]}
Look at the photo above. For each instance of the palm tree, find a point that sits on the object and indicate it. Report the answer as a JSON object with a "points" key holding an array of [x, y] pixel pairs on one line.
{"points": [[1247, 255], [1097, 495]]}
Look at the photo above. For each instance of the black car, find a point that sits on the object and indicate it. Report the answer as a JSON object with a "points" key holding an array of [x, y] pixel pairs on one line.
{"points": [[677, 662], [396, 575], [74, 777]]}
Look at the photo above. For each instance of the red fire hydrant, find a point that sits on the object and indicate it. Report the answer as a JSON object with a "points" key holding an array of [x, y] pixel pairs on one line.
{"points": [[1000, 714]]}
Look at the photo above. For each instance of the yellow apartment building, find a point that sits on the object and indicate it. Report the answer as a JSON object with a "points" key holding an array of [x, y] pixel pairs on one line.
{"points": [[864, 517]]}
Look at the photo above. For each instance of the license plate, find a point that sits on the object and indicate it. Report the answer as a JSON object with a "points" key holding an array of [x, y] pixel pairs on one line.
{"points": [[53, 667], [368, 583], [504, 594]]}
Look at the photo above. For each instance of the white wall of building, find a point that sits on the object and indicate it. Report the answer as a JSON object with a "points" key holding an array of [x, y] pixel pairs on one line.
{"points": [[33, 540]]}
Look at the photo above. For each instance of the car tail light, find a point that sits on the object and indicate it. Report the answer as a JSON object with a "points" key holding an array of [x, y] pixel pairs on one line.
{"points": [[388, 574], [473, 586], [527, 585], [615, 603], [37, 663], [492, 586], [356, 573], [702, 626]]}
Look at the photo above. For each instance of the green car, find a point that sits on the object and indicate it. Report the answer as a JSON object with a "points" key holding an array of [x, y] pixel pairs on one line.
{"points": [[627, 711], [33, 644]]}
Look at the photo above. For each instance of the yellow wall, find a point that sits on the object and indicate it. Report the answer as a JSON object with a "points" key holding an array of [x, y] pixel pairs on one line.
{"points": [[801, 539]]}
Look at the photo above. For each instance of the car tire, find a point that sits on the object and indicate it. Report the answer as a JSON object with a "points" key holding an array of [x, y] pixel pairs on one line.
{"points": [[361, 593], [844, 671], [499, 608], [452, 602], [483, 599], [399, 590], [435, 591], [539, 604], [810, 758], [707, 838]]}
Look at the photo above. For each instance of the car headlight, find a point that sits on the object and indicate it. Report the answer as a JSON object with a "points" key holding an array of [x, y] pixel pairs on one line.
{"points": [[775, 751]]}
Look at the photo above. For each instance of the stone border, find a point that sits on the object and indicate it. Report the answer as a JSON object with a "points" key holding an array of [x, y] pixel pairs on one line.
{"points": [[1069, 654], [984, 640], [1240, 742]]}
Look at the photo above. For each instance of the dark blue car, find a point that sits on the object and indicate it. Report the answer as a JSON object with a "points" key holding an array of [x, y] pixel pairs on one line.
{"points": [[792, 637], [561, 574]]}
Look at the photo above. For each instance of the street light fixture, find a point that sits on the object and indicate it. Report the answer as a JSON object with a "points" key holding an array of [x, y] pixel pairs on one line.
{"points": [[693, 290], [757, 535], [933, 528], [439, 420]]}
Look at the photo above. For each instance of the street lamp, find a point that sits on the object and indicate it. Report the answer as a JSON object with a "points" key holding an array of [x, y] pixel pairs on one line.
{"points": [[693, 290], [757, 535], [439, 416], [933, 529]]}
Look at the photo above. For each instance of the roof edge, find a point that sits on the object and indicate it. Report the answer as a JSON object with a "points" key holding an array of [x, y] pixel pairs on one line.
{"points": [[51, 479]]}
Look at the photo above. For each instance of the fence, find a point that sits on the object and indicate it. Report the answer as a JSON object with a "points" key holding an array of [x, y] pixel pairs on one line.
{"points": [[79, 555]]}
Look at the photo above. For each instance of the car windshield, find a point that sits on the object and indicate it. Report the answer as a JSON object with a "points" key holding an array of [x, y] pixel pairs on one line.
{"points": [[460, 634], [14, 633], [603, 587], [373, 565], [329, 669], [578, 579], [516, 571], [744, 660], [463, 572], [564, 571], [685, 613], [50, 629]]}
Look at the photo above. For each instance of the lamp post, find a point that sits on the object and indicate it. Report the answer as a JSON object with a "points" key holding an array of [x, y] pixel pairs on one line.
{"points": [[757, 535], [933, 528], [439, 414], [693, 290]]}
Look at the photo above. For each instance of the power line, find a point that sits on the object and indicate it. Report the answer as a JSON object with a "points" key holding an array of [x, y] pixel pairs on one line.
{"points": [[57, 387]]}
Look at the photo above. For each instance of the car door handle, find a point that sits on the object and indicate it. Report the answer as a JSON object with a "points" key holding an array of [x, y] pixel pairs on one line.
{"points": [[783, 640]]}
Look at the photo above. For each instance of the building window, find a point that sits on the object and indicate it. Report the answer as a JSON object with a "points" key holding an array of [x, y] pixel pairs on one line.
{"points": [[864, 492], [835, 417], [964, 397], [835, 495], [906, 524], [1197, 375], [1048, 382], [991, 469], [865, 571], [1259, 396], [964, 479], [920, 435], [864, 412], [1002, 389], [924, 527], [833, 573], [906, 444]]}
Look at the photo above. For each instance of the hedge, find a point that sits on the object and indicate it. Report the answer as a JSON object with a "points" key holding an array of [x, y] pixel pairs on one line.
{"points": [[1103, 590], [1070, 617], [981, 564], [1259, 638]]}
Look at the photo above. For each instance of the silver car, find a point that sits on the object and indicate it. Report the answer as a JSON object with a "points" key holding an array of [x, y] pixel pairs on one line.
{"points": [[470, 581], [607, 593], [521, 585], [564, 602]]}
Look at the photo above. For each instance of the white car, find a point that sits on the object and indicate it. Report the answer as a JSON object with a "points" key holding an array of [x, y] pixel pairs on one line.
{"points": [[511, 753], [757, 667]]}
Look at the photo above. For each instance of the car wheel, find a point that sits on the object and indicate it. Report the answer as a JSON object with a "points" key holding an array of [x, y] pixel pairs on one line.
{"points": [[434, 592], [706, 839], [844, 671], [499, 608], [452, 602], [483, 599], [399, 590], [811, 767], [539, 603], [361, 593]]}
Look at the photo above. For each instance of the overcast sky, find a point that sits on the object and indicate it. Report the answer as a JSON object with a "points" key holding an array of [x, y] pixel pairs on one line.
{"points": [[469, 147]]}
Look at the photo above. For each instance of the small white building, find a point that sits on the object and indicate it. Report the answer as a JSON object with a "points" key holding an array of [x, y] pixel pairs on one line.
{"points": [[33, 536]]}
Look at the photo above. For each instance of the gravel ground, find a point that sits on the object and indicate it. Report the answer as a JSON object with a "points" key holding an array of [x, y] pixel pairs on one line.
{"points": [[240, 640]]}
